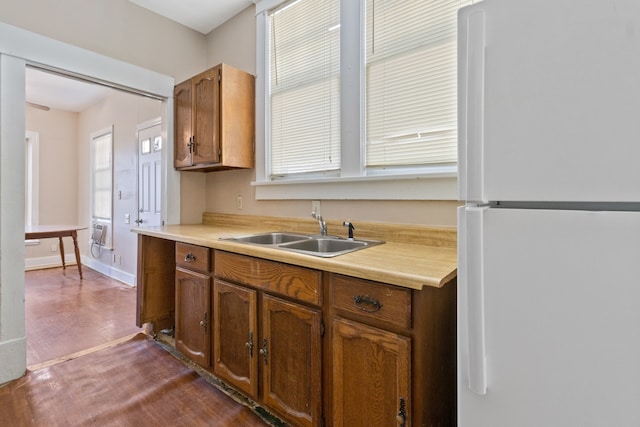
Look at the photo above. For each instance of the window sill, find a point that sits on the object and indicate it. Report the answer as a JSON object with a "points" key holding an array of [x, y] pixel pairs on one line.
{"points": [[440, 186]]}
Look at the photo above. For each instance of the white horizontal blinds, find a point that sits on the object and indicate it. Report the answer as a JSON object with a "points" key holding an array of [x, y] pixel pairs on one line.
{"points": [[411, 82], [305, 87], [102, 176]]}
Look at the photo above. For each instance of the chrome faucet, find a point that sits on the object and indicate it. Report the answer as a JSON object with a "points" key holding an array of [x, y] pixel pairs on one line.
{"points": [[321, 223]]}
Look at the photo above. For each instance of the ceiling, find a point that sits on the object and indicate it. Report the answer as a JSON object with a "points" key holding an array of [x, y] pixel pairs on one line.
{"points": [[201, 15], [61, 93], [52, 91]]}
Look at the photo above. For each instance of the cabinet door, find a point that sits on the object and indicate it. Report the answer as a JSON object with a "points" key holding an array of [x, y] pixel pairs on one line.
{"points": [[156, 285], [235, 342], [371, 376], [291, 360], [192, 315], [206, 117], [182, 98]]}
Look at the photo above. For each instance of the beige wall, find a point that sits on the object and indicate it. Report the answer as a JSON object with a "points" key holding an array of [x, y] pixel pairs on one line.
{"points": [[115, 28], [58, 172], [180, 52], [64, 174], [235, 43], [124, 112]]}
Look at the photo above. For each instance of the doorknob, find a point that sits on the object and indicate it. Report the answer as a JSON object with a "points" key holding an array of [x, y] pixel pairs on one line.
{"points": [[138, 221]]}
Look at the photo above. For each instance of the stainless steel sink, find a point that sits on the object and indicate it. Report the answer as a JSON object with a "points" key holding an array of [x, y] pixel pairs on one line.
{"points": [[327, 247], [274, 238], [316, 245]]}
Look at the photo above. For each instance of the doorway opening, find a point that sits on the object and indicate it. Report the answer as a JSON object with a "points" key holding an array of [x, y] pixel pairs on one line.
{"points": [[66, 176]]}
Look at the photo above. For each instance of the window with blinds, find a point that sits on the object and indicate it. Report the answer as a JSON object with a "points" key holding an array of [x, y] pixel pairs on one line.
{"points": [[411, 82], [102, 175], [382, 72], [304, 87]]}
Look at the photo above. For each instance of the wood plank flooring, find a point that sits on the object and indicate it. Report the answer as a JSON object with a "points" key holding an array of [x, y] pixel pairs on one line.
{"points": [[119, 377], [66, 315]]}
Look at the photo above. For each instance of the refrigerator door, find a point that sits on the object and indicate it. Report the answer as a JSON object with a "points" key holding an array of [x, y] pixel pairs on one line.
{"points": [[549, 318], [549, 101]]}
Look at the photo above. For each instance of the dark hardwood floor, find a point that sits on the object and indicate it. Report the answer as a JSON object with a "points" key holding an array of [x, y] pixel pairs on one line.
{"points": [[65, 315], [90, 365]]}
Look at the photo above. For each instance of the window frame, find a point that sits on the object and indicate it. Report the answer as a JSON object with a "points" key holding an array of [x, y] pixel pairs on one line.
{"points": [[354, 181], [93, 219], [32, 178], [32, 182]]}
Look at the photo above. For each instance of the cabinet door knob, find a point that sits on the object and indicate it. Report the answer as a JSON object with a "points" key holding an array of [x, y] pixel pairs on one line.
{"points": [[249, 344], [401, 418], [204, 322], [263, 351], [189, 257]]}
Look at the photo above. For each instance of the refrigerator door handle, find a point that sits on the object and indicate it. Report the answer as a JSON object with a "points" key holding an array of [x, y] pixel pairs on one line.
{"points": [[471, 69], [471, 319]]}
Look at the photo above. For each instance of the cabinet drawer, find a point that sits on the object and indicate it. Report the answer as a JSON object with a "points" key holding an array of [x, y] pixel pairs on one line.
{"points": [[296, 282], [193, 257], [387, 303]]}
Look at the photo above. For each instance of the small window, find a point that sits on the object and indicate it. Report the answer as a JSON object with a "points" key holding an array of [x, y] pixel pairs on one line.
{"points": [[102, 178]]}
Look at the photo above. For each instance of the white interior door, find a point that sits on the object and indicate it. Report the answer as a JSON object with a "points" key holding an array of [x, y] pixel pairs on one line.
{"points": [[150, 146]]}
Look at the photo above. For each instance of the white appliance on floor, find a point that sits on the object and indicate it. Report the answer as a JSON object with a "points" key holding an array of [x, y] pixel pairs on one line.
{"points": [[549, 237]]}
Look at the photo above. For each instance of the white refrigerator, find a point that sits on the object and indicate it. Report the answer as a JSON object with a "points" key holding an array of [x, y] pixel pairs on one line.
{"points": [[549, 236]]}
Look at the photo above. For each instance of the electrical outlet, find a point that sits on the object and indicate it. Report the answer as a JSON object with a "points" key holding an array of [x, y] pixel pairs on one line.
{"points": [[54, 247], [315, 207], [239, 202], [127, 219]]}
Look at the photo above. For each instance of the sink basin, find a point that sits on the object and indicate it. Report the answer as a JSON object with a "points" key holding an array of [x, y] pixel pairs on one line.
{"points": [[274, 238], [310, 244], [327, 247]]}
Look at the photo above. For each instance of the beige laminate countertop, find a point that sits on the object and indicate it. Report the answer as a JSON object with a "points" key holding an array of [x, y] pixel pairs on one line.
{"points": [[403, 264]]}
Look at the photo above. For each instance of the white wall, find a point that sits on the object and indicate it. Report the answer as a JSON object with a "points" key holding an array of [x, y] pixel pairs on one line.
{"points": [[12, 132]]}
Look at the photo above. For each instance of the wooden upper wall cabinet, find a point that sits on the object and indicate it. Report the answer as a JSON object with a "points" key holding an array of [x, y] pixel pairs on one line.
{"points": [[214, 120]]}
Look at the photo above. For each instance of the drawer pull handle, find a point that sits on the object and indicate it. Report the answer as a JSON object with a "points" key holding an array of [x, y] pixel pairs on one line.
{"points": [[189, 257], [366, 303]]}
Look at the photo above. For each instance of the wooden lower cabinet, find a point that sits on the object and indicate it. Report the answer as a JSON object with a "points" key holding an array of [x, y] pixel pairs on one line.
{"points": [[193, 296], [155, 288], [235, 346], [291, 360], [267, 335], [387, 357], [371, 376], [192, 315], [393, 355], [284, 347]]}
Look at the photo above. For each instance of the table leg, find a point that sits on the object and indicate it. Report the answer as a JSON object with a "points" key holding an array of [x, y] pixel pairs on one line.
{"points": [[61, 247], [74, 236]]}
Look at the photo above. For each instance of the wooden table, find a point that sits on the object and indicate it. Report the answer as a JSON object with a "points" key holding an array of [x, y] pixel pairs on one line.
{"points": [[59, 231]]}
